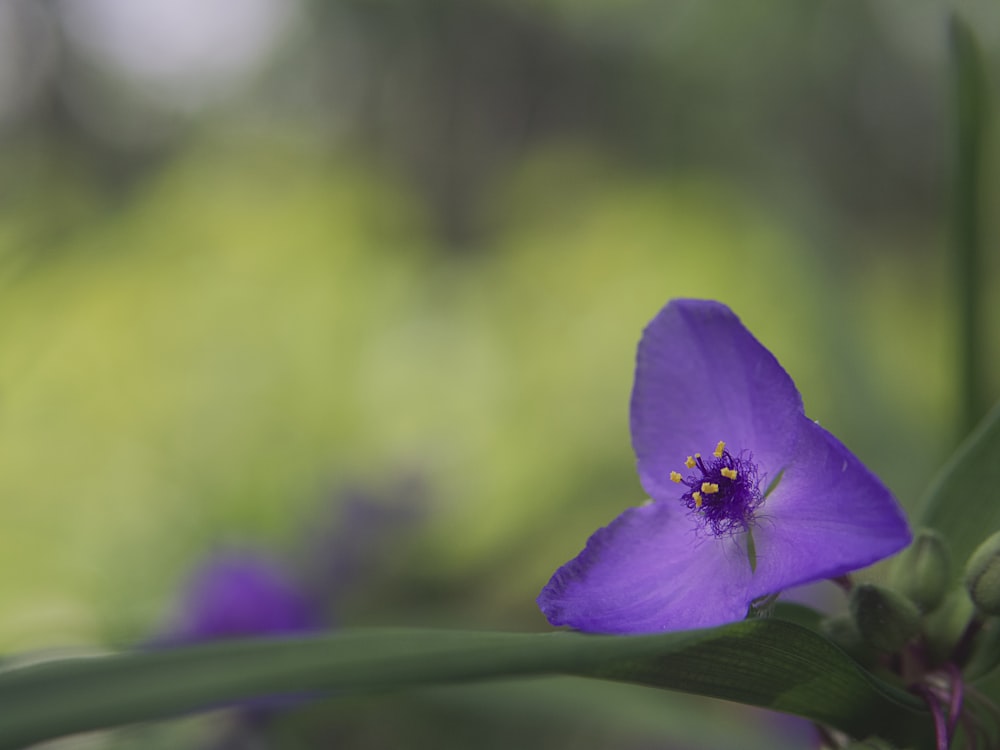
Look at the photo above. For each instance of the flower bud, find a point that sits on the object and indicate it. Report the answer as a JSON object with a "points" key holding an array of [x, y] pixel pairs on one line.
{"points": [[922, 572], [885, 619], [982, 576]]}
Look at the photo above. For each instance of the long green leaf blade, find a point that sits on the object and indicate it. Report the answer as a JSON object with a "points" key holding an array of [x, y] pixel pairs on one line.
{"points": [[971, 109], [961, 503], [767, 663]]}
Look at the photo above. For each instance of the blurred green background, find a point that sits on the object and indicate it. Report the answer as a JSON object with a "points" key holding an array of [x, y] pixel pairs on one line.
{"points": [[252, 253]]}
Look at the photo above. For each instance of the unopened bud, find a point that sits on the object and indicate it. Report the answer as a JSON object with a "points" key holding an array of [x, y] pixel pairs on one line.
{"points": [[982, 576], [885, 619], [922, 572]]}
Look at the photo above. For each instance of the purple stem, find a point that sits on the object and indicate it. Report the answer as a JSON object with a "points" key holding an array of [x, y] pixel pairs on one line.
{"points": [[940, 723], [963, 649], [955, 697], [844, 582]]}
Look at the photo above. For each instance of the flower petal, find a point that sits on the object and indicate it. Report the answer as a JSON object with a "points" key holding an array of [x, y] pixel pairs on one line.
{"points": [[702, 377], [650, 571], [828, 515]]}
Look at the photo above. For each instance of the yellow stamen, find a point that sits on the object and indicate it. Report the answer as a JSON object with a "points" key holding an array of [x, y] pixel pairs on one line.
{"points": [[675, 476], [690, 462], [718, 449], [697, 499], [728, 473], [709, 488]]}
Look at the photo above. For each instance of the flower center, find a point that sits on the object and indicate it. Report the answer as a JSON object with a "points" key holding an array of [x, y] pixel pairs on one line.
{"points": [[723, 490]]}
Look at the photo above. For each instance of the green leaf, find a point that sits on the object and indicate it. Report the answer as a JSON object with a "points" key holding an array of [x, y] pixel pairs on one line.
{"points": [[800, 614], [558, 712], [769, 663], [962, 502]]}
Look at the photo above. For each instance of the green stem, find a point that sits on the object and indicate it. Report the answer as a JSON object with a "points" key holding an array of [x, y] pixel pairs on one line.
{"points": [[970, 109]]}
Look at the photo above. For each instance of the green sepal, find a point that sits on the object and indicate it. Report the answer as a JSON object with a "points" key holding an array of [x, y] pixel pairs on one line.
{"points": [[751, 551]]}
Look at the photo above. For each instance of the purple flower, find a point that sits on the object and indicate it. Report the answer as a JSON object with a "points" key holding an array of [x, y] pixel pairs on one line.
{"points": [[235, 594], [749, 496]]}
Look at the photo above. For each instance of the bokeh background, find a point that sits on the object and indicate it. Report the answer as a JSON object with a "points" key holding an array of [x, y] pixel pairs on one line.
{"points": [[262, 258]]}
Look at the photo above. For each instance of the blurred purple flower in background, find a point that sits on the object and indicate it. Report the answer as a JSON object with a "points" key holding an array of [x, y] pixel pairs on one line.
{"points": [[246, 591], [775, 501], [241, 593], [347, 541]]}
